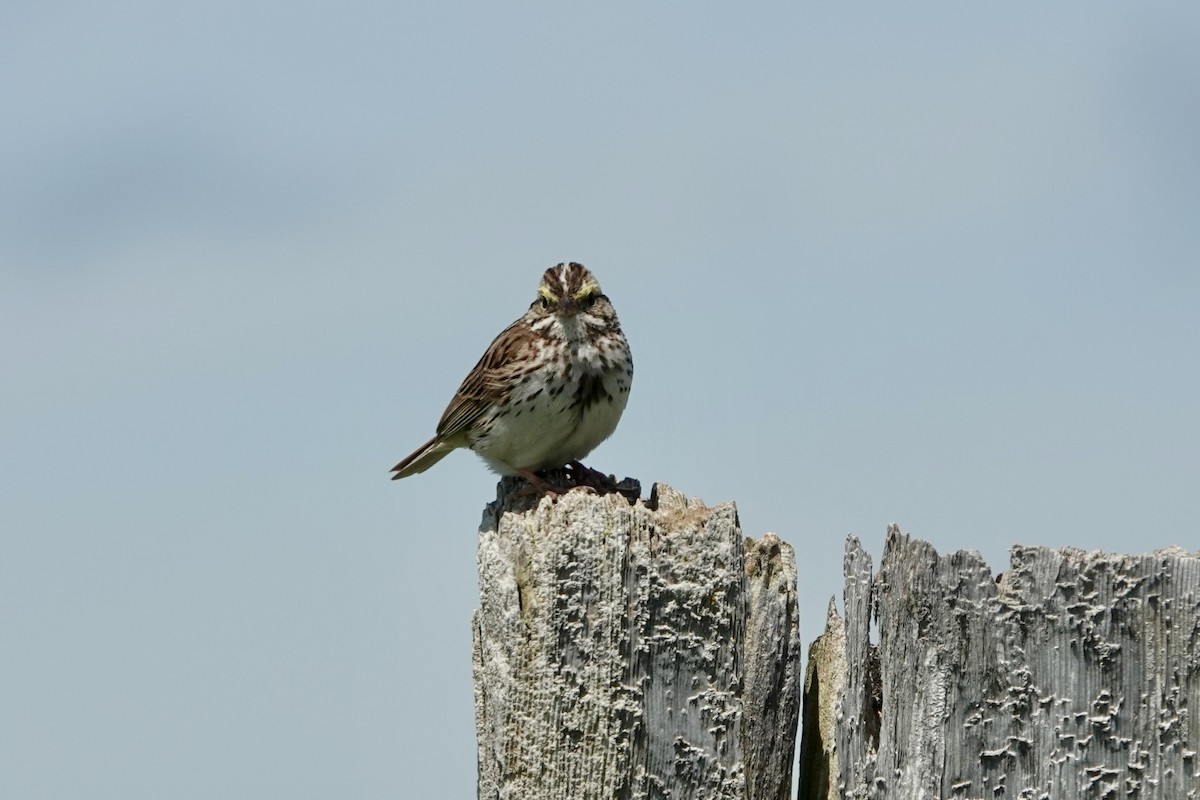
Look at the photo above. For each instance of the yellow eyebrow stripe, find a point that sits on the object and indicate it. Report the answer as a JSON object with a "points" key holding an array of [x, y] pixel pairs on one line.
{"points": [[590, 287]]}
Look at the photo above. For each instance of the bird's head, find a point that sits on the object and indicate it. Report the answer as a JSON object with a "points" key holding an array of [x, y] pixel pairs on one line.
{"points": [[568, 290]]}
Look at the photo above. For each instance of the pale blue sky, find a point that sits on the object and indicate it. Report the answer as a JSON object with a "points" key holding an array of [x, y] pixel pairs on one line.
{"points": [[936, 264]]}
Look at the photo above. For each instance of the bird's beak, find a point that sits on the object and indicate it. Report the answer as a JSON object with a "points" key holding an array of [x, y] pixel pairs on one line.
{"points": [[568, 306]]}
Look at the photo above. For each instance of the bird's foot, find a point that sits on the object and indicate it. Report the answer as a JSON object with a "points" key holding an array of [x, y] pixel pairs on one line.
{"points": [[592, 480], [536, 485], [558, 481], [597, 482]]}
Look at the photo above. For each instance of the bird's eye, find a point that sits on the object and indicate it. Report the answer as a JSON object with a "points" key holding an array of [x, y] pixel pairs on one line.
{"points": [[545, 301], [588, 300]]}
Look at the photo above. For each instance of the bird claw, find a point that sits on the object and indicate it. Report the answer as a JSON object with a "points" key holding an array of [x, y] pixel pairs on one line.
{"points": [[592, 480], [574, 477], [535, 485]]}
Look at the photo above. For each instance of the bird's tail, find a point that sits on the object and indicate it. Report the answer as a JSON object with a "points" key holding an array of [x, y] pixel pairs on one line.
{"points": [[425, 457]]}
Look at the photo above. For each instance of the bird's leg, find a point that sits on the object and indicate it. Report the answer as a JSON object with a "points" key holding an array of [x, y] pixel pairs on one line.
{"points": [[537, 484]]}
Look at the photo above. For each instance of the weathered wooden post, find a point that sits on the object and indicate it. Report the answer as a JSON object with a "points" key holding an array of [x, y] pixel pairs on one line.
{"points": [[633, 651], [1071, 675]]}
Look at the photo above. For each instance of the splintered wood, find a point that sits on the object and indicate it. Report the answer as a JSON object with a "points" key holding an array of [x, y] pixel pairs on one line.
{"points": [[633, 651], [1071, 675]]}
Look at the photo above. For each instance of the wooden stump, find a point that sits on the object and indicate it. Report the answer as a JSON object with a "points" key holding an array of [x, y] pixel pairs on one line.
{"points": [[633, 651], [1071, 675]]}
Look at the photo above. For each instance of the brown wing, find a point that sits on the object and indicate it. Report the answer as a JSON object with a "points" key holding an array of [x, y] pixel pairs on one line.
{"points": [[487, 384]]}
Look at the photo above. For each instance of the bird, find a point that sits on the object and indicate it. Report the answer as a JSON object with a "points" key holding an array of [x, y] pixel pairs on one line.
{"points": [[549, 389]]}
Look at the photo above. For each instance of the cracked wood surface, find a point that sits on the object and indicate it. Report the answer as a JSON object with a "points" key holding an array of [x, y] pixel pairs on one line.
{"points": [[1071, 675], [633, 651]]}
